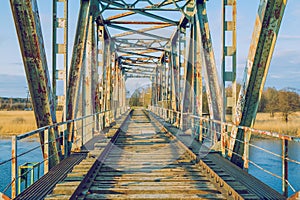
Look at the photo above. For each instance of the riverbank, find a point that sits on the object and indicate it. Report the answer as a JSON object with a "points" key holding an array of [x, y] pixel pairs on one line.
{"points": [[276, 124], [18, 122]]}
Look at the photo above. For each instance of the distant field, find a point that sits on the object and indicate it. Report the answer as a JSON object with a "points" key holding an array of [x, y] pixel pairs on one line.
{"points": [[18, 122]]}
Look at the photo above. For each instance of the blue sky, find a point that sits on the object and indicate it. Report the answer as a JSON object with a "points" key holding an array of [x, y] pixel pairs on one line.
{"points": [[284, 70]]}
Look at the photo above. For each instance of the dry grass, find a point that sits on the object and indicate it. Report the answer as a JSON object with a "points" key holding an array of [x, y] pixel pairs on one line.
{"points": [[18, 122], [276, 123]]}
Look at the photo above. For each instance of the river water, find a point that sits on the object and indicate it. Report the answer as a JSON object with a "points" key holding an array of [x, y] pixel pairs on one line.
{"points": [[267, 161], [5, 154], [274, 164]]}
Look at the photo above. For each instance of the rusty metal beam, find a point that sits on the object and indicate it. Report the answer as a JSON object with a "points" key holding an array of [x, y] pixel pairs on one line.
{"points": [[264, 37], [134, 45], [114, 3], [137, 54], [187, 106], [138, 22], [125, 14], [175, 75], [139, 51], [76, 62], [144, 9], [95, 73], [140, 32], [229, 51], [87, 104], [60, 70], [144, 65], [210, 73], [28, 26]]}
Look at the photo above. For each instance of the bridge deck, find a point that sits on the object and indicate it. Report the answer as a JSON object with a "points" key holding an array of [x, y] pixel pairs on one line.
{"points": [[145, 162]]}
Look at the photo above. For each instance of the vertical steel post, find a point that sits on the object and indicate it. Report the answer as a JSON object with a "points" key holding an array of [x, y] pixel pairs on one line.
{"points": [[188, 82], [175, 67], [14, 166], [87, 106], [229, 55], [285, 168], [60, 70], [46, 151], [107, 82], [101, 69], [246, 149], [95, 74], [197, 77], [76, 63]]}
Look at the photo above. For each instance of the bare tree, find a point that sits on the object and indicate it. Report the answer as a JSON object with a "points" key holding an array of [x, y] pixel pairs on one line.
{"points": [[288, 103], [271, 98]]}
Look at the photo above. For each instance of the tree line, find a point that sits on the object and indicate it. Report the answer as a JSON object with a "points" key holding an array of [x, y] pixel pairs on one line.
{"points": [[285, 101], [14, 104]]}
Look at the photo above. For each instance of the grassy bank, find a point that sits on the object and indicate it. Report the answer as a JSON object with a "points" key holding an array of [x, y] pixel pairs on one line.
{"points": [[17, 122], [276, 123]]}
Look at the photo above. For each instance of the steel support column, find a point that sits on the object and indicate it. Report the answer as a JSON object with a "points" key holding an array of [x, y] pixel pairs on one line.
{"points": [[175, 75], [87, 97], [264, 37], [197, 59], [60, 67], [187, 102], [27, 22], [229, 56], [76, 63], [213, 90]]}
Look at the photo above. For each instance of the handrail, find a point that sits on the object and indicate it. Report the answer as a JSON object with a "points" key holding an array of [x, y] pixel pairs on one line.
{"points": [[200, 125], [84, 136]]}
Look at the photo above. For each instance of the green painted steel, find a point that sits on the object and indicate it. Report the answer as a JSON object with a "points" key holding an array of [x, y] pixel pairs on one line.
{"points": [[60, 70], [229, 53], [265, 33]]}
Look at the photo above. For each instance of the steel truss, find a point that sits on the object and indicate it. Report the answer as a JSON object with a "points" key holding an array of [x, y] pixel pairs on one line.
{"points": [[141, 41]]}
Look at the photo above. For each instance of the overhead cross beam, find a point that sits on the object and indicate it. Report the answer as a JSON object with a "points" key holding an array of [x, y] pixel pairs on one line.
{"points": [[134, 11], [140, 31], [138, 12], [137, 54], [127, 44]]}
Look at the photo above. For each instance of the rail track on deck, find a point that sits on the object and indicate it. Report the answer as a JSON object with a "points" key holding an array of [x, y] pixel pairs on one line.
{"points": [[144, 161]]}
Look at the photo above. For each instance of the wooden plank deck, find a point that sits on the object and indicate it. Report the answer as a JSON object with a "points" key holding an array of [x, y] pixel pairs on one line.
{"points": [[146, 163]]}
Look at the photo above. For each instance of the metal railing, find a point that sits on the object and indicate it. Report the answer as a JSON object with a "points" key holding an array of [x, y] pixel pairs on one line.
{"points": [[84, 129], [217, 135]]}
